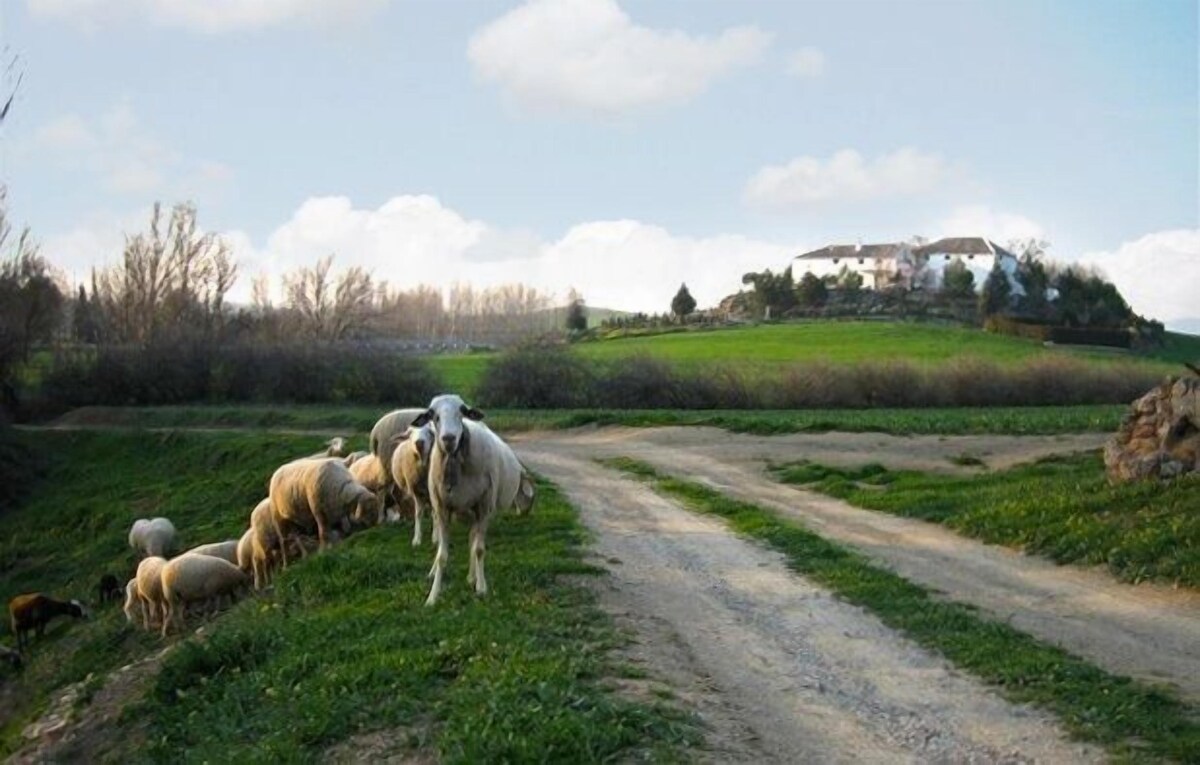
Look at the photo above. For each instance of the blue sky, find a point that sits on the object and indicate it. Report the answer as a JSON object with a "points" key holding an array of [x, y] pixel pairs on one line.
{"points": [[616, 147]]}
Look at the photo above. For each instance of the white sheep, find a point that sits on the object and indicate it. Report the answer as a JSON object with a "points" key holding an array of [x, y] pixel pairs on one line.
{"points": [[226, 550], [320, 493], [134, 611], [369, 472], [472, 473], [353, 457], [410, 472], [198, 580], [152, 537], [383, 436], [245, 550], [334, 447], [149, 588], [262, 543]]}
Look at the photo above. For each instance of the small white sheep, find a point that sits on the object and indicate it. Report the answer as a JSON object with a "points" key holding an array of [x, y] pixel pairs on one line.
{"points": [[152, 537], [473, 474], [410, 472], [134, 611], [320, 493], [334, 447], [383, 436], [245, 550], [226, 550], [262, 543], [369, 472], [198, 580], [149, 588]]}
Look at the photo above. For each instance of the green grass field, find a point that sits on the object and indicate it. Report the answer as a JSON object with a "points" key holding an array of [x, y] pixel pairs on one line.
{"points": [[357, 420], [1060, 507], [847, 342], [1136, 722], [520, 675]]}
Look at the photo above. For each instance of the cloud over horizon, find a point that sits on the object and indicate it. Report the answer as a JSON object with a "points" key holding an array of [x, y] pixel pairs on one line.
{"points": [[809, 182], [589, 57]]}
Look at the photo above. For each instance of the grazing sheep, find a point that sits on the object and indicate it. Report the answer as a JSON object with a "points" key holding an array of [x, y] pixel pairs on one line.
{"points": [[382, 442], [334, 447], [245, 551], [472, 473], [33, 610], [149, 588], [198, 580], [262, 543], [353, 457], [134, 610], [369, 472], [154, 537], [410, 472], [226, 550], [310, 492], [108, 589], [10, 656]]}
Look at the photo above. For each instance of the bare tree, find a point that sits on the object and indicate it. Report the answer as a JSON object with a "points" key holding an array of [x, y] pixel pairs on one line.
{"points": [[328, 309]]}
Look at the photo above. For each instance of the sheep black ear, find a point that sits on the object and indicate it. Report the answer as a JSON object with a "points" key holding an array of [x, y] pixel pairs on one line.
{"points": [[422, 418], [471, 413]]}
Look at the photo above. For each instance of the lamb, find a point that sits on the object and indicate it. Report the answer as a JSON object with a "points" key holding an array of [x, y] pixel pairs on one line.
{"points": [[473, 473], [33, 610], [245, 550], [197, 579], [134, 611], [262, 543], [383, 436], [410, 472], [226, 550], [154, 537], [369, 472], [149, 588], [334, 447], [317, 492], [108, 589]]}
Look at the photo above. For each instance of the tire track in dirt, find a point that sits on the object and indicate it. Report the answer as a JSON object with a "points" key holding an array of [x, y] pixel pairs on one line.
{"points": [[1144, 631], [781, 670]]}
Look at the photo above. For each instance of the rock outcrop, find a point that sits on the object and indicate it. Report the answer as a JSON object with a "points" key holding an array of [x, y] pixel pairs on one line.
{"points": [[1160, 437]]}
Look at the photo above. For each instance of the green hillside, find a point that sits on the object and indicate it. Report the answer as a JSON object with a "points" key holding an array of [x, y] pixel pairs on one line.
{"points": [[837, 342]]}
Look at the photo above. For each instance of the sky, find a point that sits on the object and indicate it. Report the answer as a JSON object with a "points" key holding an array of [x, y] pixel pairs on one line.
{"points": [[619, 147]]}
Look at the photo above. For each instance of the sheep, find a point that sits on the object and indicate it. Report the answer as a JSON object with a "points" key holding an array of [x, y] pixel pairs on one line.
{"points": [[369, 472], [108, 589], [334, 447], [149, 588], [133, 608], [318, 491], [197, 580], [245, 550], [33, 610], [473, 473], [353, 457], [154, 537], [226, 550], [410, 472], [382, 442], [262, 543]]}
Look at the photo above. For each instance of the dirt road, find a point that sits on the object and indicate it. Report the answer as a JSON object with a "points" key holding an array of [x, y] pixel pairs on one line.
{"points": [[780, 670]]}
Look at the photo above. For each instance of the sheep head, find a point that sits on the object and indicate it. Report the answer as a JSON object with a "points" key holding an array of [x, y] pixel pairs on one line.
{"points": [[445, 414]]}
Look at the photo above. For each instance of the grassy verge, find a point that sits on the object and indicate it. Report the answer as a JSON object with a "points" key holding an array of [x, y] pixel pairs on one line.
{"points": [[359, 419], [343, 646], [1133, 720], [1060, 507]]}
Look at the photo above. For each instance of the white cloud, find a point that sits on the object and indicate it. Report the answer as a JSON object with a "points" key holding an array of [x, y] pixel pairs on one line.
{"points": [[125, 158], [588, 56], [206, 16], [809, 182], [411, 240], [1159, 274], [981, 220], [806, 62]]}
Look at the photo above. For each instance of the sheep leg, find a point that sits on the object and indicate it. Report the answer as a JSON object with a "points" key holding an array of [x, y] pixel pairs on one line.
{"points": [[279, 536], [478, 553], [319, 517], [167, 614], [443, 552], [416, 540]]}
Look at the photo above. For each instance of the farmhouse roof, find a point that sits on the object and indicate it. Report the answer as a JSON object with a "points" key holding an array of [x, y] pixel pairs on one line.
{"points": [[961, 245], [836, 252]]}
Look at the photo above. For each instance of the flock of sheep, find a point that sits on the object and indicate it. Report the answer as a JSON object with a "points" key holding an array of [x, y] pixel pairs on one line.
{"points": [[442, 457]]}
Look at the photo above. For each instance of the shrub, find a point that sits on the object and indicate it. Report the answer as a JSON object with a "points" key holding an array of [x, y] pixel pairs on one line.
{"points": [[537, 377]]}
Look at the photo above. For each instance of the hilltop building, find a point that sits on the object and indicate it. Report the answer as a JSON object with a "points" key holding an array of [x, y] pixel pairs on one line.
{"points": [[915, 265]]}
